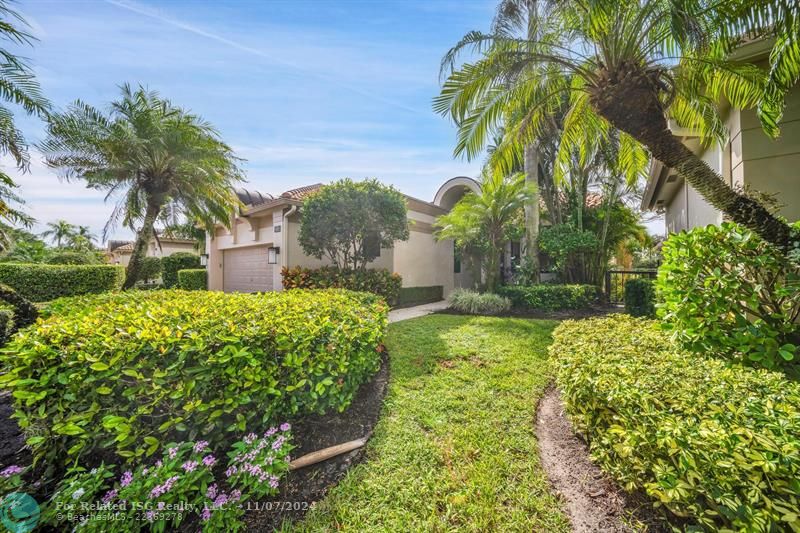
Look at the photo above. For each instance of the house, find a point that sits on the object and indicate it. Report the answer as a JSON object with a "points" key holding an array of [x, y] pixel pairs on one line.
{"points": [[264, 238], [119, 252], [749, 160]]}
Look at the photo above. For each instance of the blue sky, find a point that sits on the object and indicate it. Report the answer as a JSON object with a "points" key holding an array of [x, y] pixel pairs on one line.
{"points": [[305, 91]]}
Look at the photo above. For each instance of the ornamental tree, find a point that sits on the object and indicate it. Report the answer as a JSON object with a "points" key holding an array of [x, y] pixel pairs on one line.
{"points": [[349, 222]]}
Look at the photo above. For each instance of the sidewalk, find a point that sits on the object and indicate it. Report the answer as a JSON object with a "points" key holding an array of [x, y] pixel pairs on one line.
{"points": [[419, 310]]}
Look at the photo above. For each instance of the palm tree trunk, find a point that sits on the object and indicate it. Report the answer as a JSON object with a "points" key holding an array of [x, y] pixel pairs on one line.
{"points": [[532, 211], [140, 247]]}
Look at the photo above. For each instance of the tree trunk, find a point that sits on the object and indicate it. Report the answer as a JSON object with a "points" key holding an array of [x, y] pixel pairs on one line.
{"points": [[531, 248], [628, 99], [140, 247]]}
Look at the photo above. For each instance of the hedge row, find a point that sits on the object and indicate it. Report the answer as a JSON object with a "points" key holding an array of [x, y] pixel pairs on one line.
{"points": [[547, 297], [420, 295], [193, 279], [380, 282], [171, 264], [717, 443], [40, 283], [123, 372]]}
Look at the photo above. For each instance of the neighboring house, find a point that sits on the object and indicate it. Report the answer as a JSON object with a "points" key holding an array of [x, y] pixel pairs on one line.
{"points": [[119, 252], [264, 238], [749, 160]]}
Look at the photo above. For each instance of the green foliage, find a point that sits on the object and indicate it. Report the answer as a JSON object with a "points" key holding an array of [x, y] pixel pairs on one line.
{"points": [[728, 293], [119, 373], [24, 312], [476, 303], [563, 242], [547, 297], [41, 283], [69, 257], [150, 269], [381, 282], [716, 443], [193, 279], [171, 264], [420, 295], [350, 222], [640, 297]]}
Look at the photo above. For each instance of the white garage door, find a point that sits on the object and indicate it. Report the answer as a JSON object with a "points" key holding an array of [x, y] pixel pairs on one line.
{"points": [[246, 270]]}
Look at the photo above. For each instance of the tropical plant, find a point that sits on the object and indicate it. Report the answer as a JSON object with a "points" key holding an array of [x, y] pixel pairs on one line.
{"points": [[629, 65], [350, 222], [149, 153], [483, 221], [22, 246], [59, 232], [476, 303]]}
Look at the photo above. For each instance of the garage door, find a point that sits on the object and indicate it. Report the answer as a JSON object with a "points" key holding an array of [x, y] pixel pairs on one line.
{"points": [[246, 270]]}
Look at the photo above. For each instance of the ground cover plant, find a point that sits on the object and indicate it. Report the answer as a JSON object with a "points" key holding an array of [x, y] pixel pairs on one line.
{"points": [[118, 374], [714, 443], [550, 297], [455, 449]]}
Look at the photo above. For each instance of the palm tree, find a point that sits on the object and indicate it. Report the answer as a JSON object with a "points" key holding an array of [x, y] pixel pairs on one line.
{"points": [[18, 86], [630, 65], [59, 232], [148, 153], [484, 220]]}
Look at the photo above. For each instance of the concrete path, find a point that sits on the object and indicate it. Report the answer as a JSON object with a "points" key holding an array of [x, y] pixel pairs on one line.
{"points": [[413, 312]]}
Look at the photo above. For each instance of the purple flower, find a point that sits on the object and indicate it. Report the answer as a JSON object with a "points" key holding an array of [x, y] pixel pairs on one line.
{"points": [[126, 479], [159, 464], [250, 438], [206, 514], [211, 492], [173, 452], [161, 506], [221, 500], [189, 466], [150, 515], [145, 471], [231, 471], [278, 443], [200, 446], [286, 426], [12, 470], [209, 460], [273, 482], [235, 495], [271, 431], [158, 490], [110, 495]]}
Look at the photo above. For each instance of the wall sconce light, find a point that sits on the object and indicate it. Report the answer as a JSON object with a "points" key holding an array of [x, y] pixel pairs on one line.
{"points": [[203, 259], [272, 255]]}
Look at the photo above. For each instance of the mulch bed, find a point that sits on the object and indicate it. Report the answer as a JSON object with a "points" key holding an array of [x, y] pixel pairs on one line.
{"points": [[12, 442]]}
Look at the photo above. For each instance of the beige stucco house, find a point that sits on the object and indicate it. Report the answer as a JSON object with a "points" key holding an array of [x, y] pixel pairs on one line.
{"points": [[119, 252], [750, 159], [264, 238]]}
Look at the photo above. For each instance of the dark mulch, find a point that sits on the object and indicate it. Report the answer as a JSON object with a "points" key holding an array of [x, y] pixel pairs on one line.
{"points": [[550, 315], [12, 442], [302, 488]]}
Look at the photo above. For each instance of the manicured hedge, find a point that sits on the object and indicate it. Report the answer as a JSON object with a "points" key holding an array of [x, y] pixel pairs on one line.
{"points": [[121, 373], [193, 279], [69, 257], [477, 303], [150, 269], [40, 283], [640, 297], [548, 297], [420, 295], [380, 282], [716, 443], [170, 265]]}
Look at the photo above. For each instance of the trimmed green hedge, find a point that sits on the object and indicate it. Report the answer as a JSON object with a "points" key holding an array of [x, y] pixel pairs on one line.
{"points": [[549, 297], [123, 372], [171, 264], [420, 295], [150, 269], [717, 443], [640, 297], [193, 279], [377, 281], [70, 257], [40, 283]]}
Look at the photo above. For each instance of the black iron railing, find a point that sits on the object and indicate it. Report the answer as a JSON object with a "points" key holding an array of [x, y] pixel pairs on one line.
{"points": [[615, 282]]}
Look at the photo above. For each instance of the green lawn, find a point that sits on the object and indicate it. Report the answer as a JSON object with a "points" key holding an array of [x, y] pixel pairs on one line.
{"points": [[455, 449]]}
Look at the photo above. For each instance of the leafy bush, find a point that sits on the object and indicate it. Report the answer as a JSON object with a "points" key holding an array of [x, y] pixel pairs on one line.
{"points": [[150, 269], [640, 299], [380, 282], [476, 303], [717, 443], [563, 241], [550, 297], [178, 261], [40, 283], [68, 257], [420, 295], [728, 293], [193, 279], [121, 372]]}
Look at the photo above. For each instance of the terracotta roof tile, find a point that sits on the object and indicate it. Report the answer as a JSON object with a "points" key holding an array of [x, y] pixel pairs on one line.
{"points": [[301, 192]]}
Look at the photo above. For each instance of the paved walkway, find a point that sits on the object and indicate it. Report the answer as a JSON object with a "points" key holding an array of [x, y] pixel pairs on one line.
{"points": [[413, 312]]}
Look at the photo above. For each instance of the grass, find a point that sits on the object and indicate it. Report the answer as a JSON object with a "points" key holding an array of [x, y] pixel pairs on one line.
{"points": [[455, 449]]}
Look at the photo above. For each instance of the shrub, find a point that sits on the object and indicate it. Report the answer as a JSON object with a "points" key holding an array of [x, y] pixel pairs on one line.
{"points": [[121, 372], [728, 293], [69, 257], [547, 297], [40, 283], [178, 261], [476, 303], [150, 269], [193, 279], [717, 443], [420, 295], [640, 299], [380, 282]]}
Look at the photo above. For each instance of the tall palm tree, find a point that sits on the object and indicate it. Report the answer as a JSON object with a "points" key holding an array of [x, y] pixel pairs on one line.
{"points": [[484, 220], [59, 232], [631, 65], [148, 153]]}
